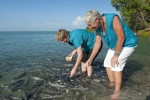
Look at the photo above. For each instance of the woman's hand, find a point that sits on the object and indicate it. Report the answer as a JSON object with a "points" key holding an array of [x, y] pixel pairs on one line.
{"points": [[73, 72], [114, 61], [89, 62]]}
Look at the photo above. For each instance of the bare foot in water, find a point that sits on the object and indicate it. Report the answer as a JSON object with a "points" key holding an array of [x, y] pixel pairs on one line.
{"points": [[115, 95]]}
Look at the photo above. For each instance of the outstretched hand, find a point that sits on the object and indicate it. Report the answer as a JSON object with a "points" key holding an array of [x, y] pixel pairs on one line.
{"points": [[69, 57]]}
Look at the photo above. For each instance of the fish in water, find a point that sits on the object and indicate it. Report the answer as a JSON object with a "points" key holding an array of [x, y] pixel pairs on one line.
{"points": [[15, 82], [20, 76], [25, 95], [56, 85], [0, 76], [38, 83]]}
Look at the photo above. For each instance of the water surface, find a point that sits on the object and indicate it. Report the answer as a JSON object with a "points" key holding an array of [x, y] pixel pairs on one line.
{"points": [[38, 55]]}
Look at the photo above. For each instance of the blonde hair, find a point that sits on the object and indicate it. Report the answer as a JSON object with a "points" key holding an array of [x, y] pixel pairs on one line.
{"points": [[91, 15], [61, 34]]}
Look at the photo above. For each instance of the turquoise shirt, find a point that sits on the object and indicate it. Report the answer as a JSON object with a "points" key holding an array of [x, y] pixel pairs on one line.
{"points": [[110, 36], [81, 37]]}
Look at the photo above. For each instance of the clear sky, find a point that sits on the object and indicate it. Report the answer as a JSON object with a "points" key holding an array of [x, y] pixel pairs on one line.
{"points": [[48, 15]]}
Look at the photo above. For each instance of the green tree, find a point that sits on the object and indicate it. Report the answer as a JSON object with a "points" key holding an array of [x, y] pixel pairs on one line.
{"points": [[135, 13], [89, 29]]}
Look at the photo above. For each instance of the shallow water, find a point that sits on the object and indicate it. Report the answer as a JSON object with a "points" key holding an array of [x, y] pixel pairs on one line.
{"points": [[36, 62]]}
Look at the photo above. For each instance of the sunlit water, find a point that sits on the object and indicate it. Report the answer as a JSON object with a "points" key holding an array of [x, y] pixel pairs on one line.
{"points": [[38, 54]]}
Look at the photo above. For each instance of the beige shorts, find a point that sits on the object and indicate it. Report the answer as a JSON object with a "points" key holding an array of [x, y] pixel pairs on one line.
{"points": [[125, 53]]}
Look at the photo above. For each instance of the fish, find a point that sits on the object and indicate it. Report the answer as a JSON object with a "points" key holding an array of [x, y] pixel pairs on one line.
{"points": [[25, 95], [26, 82], [38, 83], [46, 96], [15, 82], [17, 86], [56, 85], [0, 76], [5, 87], [19, 76], [37, 78]]}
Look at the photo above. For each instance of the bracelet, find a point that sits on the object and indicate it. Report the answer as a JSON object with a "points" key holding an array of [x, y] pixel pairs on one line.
{"points": [[117, 54]]}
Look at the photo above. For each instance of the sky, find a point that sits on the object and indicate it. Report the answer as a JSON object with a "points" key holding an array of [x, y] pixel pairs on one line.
{"points": [[48, 15]]}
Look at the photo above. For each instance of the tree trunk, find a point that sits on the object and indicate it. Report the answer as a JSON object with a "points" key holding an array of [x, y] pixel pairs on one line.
{"points": [[142, 17]]}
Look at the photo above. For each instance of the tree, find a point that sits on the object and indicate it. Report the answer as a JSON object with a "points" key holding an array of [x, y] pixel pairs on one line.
{"points": [[135, 13], [89, 29]]}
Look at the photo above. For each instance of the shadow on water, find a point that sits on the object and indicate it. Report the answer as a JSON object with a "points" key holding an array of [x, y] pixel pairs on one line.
{"points": [[131, 68]]}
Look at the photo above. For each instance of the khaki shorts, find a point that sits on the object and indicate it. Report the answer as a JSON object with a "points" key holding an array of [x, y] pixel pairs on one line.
{"points": [[125, 53]]}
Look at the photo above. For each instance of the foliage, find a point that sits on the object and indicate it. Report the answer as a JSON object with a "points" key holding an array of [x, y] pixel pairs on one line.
{"points": [[135, 13], [142, 33], [89, 29]]}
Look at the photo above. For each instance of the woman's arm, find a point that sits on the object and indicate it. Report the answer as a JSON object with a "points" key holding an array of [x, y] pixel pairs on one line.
{"points": [[120, 35], [95, 50], [72, 53], [78, 61], [70, 56]]}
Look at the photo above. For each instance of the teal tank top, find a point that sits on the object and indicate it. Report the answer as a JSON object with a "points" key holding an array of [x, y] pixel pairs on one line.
{"points": [[82, 37], [110, 36]]}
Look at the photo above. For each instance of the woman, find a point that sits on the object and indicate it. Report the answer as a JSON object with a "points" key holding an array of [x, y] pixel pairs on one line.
{"points": [[121, 42], [83, 41]]}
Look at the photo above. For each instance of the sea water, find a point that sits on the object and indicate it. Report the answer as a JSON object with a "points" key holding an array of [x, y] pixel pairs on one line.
{"points": [[38, 52]]}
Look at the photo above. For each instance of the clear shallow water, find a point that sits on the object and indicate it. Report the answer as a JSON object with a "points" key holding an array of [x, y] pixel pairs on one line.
{"points": [[20, 48], [35, 51]]}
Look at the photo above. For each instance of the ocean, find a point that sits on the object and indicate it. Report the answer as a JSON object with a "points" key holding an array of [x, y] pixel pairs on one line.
{"points": [[23, 48], [29, 55]]}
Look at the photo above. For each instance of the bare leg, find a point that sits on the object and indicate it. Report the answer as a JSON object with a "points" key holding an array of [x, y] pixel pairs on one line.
{"points": [[89, 70], [110, 74], [118, 80], [83, 67]]}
